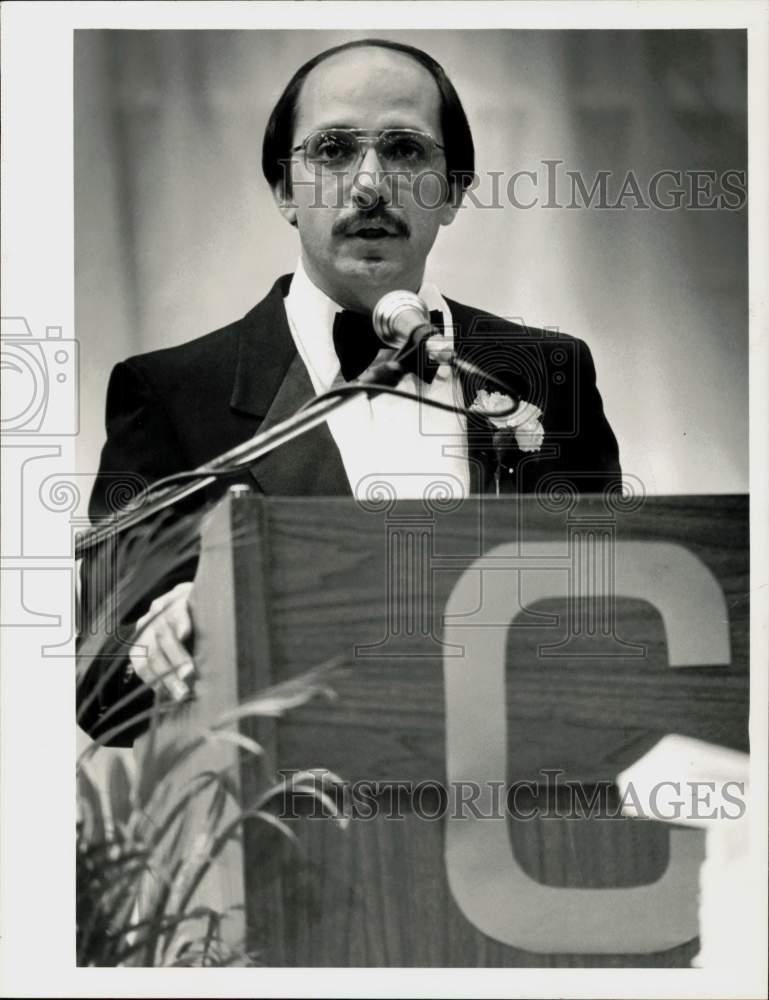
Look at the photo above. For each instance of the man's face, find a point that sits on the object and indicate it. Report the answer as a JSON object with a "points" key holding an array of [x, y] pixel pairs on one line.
{"points": [[365, 232]]}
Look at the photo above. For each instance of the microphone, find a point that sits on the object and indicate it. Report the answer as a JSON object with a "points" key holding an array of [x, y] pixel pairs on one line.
{"points": [[402, 321]]}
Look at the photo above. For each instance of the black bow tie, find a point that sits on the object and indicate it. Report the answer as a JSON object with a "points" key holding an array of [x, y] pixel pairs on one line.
{"points": [[356, 345]]}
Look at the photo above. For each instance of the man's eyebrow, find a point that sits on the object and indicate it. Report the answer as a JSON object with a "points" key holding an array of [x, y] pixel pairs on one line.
{"points": [[329, 125], [350, 125]]}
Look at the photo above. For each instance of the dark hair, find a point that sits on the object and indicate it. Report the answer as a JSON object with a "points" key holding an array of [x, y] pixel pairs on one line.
{"points": [[457, 138]]}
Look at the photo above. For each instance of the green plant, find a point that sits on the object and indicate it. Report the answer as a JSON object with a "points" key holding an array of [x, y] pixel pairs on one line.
{"points": [[147, 842], [141, 858]]}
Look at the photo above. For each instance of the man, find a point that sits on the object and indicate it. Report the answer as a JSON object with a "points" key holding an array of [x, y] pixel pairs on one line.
{"points": [[367, 152]]}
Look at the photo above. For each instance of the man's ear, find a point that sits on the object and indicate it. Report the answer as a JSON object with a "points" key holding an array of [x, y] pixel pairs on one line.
{"points": [[285, 203]]}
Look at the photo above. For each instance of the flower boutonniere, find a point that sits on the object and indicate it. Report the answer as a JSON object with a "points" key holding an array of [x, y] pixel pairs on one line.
{"points": [[522, 427], [523, 423]]}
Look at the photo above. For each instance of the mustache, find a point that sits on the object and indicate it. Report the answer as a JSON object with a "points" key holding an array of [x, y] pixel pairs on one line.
{"points": [[393, 224]]}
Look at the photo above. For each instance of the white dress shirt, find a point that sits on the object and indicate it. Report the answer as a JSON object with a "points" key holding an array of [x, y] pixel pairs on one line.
{"points": [[389, 445]]}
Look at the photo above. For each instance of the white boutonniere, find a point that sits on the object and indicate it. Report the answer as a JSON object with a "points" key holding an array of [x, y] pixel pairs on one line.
{"points": [[523, 423]]}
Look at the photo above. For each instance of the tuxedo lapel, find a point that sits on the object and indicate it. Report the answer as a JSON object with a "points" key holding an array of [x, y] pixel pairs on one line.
{"points": [[271, 382], [309, 465], [480, 451]]}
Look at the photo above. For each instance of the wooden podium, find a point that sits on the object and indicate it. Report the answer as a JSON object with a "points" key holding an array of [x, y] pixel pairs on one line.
{"points": [[493, 647]]}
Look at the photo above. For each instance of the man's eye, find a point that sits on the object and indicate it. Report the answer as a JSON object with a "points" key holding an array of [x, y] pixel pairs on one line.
{"points": [[331, 149], [405, 149]]}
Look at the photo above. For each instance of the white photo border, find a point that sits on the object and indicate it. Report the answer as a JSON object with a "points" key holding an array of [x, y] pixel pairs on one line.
{"points": [[37, 887]]}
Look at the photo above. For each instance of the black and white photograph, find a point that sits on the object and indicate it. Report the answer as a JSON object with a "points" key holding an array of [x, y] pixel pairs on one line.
{"points": [[384, 557]]}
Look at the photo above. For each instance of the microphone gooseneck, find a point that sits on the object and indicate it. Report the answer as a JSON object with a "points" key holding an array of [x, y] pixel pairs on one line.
{"points": [[402, 321]]}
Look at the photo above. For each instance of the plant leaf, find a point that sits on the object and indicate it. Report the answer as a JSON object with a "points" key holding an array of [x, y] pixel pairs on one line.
{"points": [[237, 739], [278, 699], [94, 829], [119, 787]]}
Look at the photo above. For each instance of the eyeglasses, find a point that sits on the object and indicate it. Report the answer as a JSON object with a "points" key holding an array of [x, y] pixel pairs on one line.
{"points": [[403, 150]]}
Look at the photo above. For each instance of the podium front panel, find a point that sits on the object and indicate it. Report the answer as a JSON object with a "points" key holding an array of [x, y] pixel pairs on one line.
{"points": [[534, 647]]}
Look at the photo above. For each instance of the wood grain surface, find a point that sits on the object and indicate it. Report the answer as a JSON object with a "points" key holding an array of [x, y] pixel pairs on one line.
{"points": [[313, 579]]}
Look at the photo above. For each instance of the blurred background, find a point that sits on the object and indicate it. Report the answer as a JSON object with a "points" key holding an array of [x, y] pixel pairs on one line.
{"points": [[176, 232]]}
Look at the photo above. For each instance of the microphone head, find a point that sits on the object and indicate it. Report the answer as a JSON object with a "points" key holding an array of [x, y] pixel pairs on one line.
{"points": [[396, 315]]}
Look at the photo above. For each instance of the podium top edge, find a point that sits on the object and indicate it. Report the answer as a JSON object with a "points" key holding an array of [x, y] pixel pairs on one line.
{"points": [[690, 498]]}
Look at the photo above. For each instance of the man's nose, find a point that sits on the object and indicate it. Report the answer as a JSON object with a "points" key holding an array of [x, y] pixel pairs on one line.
{"points": [[371, 184]]}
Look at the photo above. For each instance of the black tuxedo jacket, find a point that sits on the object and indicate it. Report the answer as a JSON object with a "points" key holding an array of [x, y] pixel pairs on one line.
{"points": [[174, 409]]}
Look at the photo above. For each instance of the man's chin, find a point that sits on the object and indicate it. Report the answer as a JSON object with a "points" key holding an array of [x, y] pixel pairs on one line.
{"points": [[359, 282], [375, 271]]}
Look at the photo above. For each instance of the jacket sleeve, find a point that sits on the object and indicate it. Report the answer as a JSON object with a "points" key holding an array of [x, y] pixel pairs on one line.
{"points": [[142, 447], [141, 442], [592, 456]]}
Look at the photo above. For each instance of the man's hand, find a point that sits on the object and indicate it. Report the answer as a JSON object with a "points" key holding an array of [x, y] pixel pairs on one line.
{"points": [[158, 655]]}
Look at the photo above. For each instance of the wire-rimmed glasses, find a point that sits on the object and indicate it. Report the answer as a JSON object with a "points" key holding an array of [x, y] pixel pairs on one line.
{"points": [[400, 150]]}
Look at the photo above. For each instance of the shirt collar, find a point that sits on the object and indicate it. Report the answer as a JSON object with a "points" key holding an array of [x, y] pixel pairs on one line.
{"points": [[311, 315]]}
